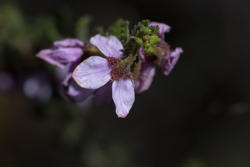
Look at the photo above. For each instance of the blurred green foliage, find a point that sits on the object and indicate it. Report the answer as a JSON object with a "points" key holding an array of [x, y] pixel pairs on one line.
{"points": [[120, 29]]}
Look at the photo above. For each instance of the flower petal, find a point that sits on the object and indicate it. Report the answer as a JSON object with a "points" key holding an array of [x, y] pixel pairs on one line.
{"points": [[60, 57], [123, 95], [146, 78], [172, 60], [163, 28], [92, 73], [109, 46], [69, 43]]}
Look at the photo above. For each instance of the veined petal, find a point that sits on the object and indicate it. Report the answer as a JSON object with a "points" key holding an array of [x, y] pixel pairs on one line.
{"points": [[92, 73], [163, 28], [172, 60], [109, 46], [69, 43], [145, 79], [123, 95]]}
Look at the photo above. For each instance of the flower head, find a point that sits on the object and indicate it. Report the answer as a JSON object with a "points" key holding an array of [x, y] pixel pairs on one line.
{"points": [[97, 71]]}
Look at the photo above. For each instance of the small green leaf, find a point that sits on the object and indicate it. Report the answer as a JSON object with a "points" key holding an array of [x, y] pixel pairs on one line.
{"points": [[120, 29]]}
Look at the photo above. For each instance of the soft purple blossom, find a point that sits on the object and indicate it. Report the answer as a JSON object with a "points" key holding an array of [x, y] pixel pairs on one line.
{"points": [[95, 72], [37, 87], [63, 53], [103, 66]]}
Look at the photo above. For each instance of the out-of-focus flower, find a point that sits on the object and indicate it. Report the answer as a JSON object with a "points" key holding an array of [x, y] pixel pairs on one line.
{"points": [[6, 81], [37, 87], [96, 71]]}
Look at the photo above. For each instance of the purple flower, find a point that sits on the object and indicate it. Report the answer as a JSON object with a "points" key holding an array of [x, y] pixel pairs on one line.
{"points": [[95, 72], [63, 53]]}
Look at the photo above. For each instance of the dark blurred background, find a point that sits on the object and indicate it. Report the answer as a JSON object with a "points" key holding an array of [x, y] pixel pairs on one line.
{"points": [[199, 116]]}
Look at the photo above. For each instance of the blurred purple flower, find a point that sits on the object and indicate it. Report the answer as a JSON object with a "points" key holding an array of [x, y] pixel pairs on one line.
{"points": [[37, 87], [95, 72]]}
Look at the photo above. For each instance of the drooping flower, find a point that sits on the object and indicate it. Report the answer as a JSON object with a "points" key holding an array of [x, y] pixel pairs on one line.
{"points": [[96, 71]]}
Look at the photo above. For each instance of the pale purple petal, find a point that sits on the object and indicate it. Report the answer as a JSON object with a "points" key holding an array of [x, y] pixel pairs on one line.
{"points": [[60, 57], [171, 60], [68, 43], [109, 46], [163, 28], [92, 73], [123, 95], [63, 53], [146, 78]]}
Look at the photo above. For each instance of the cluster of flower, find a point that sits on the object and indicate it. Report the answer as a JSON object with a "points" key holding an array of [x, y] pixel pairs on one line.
{"points": [[105, 60]]}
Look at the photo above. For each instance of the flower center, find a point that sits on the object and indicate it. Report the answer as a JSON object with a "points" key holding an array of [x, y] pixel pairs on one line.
{"points": [[117, 70]]}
